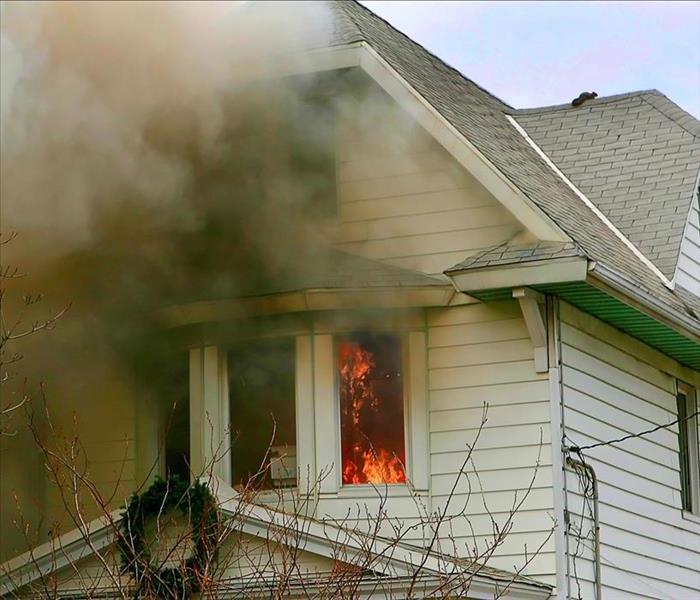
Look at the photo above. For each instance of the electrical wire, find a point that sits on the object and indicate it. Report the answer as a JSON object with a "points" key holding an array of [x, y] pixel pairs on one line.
{"points": [[579, 449]]}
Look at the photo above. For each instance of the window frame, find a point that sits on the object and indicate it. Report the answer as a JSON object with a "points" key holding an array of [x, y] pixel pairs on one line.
{"points": [[224, 376], [688, 448], [402, 339], [317, 408]]}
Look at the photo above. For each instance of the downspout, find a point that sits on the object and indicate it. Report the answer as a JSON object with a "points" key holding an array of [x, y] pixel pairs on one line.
{"points": [[561, 540], [588, 469]]}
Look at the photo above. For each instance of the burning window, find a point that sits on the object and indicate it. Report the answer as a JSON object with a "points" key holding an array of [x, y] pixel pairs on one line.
{"points": [[263, 420], [371, 409]]}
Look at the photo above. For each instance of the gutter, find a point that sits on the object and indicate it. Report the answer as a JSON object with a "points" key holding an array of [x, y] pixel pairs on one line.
{"points": [[675, 319]]}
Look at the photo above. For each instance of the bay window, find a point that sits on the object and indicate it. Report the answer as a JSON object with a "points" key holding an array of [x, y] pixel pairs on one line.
{"points": [[330, 411]]}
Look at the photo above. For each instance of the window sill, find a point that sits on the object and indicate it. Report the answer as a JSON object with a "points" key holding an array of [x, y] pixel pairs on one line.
{"points": [[692, 517], [268, 497], [390, 490]]}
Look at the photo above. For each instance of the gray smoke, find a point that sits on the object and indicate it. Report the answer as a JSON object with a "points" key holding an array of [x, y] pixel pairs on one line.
{"points": [[147, 159]]}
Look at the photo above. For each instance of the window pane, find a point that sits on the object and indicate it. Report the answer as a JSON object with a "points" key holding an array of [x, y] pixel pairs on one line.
{"points": [[176, 415], [261, 387], [371, 409], [682, 404]]}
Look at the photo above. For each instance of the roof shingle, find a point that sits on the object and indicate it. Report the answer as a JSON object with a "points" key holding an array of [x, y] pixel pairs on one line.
{"points": [[512, 254], [635, 156]]}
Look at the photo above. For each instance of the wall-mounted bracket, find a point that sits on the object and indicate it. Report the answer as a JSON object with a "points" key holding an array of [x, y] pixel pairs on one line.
{"points": [[530, 306]]}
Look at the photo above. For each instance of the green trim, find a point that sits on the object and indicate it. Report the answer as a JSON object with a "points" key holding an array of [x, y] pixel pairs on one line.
{"points": [[609, 309]]}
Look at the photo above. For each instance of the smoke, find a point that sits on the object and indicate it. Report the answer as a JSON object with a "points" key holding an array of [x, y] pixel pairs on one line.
{"points": [[106, 101], [147, 160]]}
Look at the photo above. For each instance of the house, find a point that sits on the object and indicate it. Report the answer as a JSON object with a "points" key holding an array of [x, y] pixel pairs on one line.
{"points": [[545, 262]]}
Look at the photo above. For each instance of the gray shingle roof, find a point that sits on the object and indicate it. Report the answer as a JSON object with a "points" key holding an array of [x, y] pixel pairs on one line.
{"points": [[636, 157], [511, 254], [298, 269], [483, 120]]}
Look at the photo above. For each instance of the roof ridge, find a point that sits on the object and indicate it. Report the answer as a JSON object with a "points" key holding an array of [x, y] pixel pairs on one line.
{"points": [[374, 15], [600, 100]]}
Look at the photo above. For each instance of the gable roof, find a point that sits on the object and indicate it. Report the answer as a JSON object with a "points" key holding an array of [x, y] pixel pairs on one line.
{"points": [[487, 123], [391, 563], [635, 156]]}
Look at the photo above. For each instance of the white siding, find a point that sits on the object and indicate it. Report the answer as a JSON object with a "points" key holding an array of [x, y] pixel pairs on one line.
{"points": [[106, 430], [403, 198], [612, 387], [241, 555], [478, 354], [688, 268]]}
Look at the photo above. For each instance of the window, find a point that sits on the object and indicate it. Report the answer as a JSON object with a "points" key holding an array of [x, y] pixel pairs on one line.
{"points": [[173, 384], [262, 407], [689, 448], [371, 397]]}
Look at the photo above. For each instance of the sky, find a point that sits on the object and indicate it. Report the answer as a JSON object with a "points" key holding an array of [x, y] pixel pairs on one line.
{"points": [[541, 53]]}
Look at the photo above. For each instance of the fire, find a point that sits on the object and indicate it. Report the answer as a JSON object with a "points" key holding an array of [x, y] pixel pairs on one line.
{"points": [[372, 451], [381, 467]]}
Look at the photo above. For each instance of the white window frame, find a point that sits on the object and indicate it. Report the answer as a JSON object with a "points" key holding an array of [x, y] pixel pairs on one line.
{"points": [[317, 413], [327, 416], [405, 366], [692, 449]]}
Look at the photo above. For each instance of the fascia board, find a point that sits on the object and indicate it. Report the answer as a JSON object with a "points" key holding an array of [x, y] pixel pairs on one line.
{"points": [[479, 589], [301, 63], [401, 297], [526, 274], [307, 300], [517, 203], [52, 556]]}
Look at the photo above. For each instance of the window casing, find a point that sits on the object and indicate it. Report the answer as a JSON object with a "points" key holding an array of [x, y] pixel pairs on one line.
{"points": [[261, 384], [316, 410], [372, 408], [325, 412], [689, 448]]}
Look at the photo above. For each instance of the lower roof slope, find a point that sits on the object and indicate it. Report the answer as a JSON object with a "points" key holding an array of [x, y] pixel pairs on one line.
{"points": [[635, 156], [507, 254]]}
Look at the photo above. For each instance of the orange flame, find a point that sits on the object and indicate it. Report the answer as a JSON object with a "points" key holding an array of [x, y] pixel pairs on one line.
{"points": [[364, 460], [380, 467]]}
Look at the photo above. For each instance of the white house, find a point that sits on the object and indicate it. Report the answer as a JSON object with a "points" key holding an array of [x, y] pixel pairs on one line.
{"points": [[545, 262]]}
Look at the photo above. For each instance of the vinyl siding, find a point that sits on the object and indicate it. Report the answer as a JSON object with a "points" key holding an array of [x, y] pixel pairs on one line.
{"points": [[481, 354], [402, 197], [612, 387], [239, 556], [106, 430], [688, 268]]}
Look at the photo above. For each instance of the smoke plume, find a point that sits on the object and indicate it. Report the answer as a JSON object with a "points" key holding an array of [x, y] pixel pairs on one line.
{"points": [[147, 159]]}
